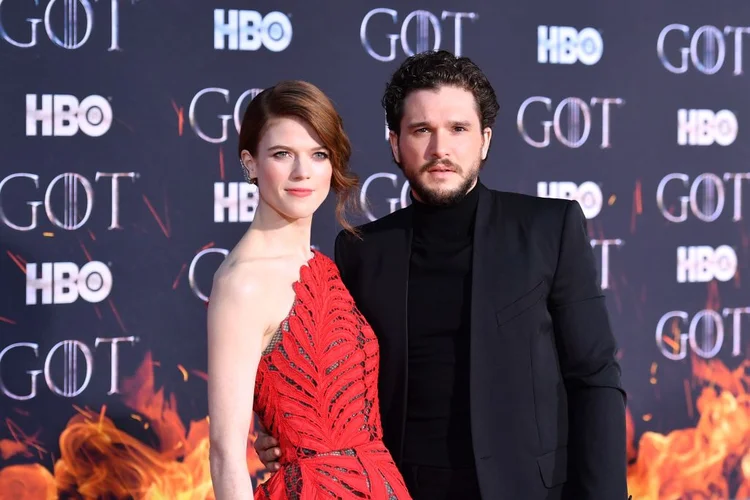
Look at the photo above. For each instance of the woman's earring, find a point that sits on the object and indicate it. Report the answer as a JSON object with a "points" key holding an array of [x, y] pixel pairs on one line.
{"points": [[246, 174]]}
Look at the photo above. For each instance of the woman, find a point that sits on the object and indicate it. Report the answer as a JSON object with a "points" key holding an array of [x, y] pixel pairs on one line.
{"points": [[284, 336]]}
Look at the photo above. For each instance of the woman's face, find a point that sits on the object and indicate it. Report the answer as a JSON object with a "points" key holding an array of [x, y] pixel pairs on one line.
{"points": [[292, 166]]}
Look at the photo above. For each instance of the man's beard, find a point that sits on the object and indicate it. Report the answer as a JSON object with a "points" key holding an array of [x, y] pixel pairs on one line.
{"points": [[443, 197]]}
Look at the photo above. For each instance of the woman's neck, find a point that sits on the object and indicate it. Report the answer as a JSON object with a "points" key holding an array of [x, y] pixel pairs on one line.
{"points": [[273, 234]]}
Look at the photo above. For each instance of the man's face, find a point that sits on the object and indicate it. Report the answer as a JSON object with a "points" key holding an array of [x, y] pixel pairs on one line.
{"points": [[441, 145]]}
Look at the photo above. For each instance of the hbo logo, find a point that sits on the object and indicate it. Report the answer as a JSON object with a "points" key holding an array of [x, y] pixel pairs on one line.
{"points": [[588, 195], [249, 30], [64, 282], [704, 127], [701, 264], [566, 45], [63, 115]]}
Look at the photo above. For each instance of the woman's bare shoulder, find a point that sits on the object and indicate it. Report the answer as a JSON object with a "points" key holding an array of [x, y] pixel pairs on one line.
{"points": [[253, 277]]}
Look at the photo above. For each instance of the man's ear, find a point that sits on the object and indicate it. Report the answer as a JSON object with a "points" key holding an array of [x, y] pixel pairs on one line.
{"points": [[393, 140], [486, 139]]}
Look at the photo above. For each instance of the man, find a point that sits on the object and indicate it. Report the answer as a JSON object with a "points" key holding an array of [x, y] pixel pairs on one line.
{"points": [[498, 377]]}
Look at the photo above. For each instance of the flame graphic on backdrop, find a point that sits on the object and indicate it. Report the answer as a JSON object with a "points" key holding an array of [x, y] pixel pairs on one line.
{"points": [[711, 461], [99, 460]]}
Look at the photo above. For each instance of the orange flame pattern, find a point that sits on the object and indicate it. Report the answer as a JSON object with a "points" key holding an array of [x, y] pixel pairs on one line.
{"points": [[711, 461], [98, 460], [700, 463]]}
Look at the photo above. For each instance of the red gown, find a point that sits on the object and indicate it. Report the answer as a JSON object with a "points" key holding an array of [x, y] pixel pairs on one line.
{"points": [[316, 392]]}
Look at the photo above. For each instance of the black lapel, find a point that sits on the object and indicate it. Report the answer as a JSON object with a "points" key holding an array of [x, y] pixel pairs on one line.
{"points": [[492, 270], [391, 277], [500, 264], [394, 277]]}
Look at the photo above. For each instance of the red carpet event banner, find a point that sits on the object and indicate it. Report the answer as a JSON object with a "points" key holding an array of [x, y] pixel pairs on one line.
{"points": [[121, 192]]}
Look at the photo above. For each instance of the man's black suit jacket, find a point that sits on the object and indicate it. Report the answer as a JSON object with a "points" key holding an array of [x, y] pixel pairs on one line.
{"points": [[547, 408]]}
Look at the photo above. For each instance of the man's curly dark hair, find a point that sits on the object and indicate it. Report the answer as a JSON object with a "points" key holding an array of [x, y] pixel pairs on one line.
{"points": [[430, 70]]}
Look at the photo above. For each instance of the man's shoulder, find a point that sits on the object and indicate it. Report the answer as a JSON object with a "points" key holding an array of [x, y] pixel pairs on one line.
{"points": [[381, 227], [531, 210], [529, 202], [399, 219], [525, 209]]}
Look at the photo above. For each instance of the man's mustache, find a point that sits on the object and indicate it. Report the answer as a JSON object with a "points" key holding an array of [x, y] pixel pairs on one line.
{"points": [[442, 163]]}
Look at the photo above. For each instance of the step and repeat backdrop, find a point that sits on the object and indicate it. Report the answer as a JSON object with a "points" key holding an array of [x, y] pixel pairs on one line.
{"points": [[121, 193]]}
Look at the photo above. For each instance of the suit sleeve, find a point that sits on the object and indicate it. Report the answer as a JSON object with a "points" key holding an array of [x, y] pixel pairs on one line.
{"points": [[597, 466]]}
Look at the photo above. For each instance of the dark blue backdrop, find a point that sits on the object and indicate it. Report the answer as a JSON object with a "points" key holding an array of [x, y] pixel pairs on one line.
{"points": [[120, 191]]}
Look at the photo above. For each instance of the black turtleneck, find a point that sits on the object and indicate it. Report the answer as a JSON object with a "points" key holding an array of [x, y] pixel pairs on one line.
{"points": [[438, 429]]}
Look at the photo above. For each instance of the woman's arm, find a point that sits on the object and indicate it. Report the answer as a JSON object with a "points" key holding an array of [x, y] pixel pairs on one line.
{"points": [[236, 326]]}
